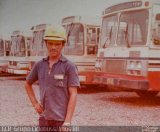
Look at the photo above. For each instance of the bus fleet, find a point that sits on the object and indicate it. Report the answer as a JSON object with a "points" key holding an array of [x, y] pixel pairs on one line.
{"points": [[121, 51]]}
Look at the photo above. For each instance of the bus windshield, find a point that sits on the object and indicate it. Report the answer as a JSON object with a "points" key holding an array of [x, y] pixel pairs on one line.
{"points": [[75, 43], [18, 46], [38, 43], [109, 27], [1, 47], [133, 28]]}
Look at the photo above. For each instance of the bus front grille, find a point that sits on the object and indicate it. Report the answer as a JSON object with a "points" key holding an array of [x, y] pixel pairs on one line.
{"points": [[115, 66]]}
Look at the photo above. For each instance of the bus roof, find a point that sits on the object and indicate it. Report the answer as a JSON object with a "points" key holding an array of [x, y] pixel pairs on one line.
{"points": [[88, 20], [20, 33], [39, 27], [134, 4]]}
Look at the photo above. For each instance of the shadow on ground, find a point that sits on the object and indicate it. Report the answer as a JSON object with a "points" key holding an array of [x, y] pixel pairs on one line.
{"points": [[134, 100]]}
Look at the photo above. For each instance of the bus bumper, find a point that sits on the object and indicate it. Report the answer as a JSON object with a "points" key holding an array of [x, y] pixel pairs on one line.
{"points": [[122, 83]]}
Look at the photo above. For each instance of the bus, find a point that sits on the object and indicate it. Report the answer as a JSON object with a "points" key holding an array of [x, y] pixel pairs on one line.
{"points": [[82, 44], [129, 54], [18, 59], [38, 48], [4, 53]]}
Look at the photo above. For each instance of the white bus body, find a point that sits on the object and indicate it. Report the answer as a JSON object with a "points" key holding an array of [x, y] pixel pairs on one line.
{"points": [[129, 52], [18, 59], [82, 44]]}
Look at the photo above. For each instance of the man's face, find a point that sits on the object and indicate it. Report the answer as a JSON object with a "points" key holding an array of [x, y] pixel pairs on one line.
{"points": [[54, 48]]}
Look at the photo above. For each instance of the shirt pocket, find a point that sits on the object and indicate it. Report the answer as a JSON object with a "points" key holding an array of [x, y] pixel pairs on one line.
{"points": [[60, 82]]}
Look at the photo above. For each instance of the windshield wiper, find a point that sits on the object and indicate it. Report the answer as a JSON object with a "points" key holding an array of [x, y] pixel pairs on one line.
{"points": [[126, 37], [108, 40], [69, 32]]}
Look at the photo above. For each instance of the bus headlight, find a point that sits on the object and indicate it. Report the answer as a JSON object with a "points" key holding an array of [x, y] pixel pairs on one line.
{"points": [[98, 65], [138, 65], [134, 67], [24, 65]]}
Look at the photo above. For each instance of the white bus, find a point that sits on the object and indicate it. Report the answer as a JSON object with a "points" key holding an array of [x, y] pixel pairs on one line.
{"points": [[82, 44], [18, 59], [129, 53], [4, 53]]}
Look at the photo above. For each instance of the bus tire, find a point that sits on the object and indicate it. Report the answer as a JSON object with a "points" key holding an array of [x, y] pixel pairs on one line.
{"points": [[146, 94]]}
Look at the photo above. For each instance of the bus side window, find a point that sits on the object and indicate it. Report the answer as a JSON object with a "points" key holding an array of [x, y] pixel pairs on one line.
{"points": [[156, 31], [91, 41]]}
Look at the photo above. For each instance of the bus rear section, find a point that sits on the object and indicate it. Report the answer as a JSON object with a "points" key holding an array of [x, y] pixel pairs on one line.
{"points": [[18, 59], [82, 45], [129, 53]]}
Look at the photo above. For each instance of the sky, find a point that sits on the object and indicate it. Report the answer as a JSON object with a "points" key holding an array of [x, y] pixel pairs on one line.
{"points": [[23, 14]]}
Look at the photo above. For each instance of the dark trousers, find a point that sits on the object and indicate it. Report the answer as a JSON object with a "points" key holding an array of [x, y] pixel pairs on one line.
{"points": [[49, 125]]}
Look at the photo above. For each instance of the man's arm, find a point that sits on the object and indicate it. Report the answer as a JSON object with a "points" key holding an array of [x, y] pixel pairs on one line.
{"points": [[71, 105], [32, 97]]}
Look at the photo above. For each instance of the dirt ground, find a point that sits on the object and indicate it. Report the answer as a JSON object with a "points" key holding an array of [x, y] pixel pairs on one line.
{"points": [[94, 108]]}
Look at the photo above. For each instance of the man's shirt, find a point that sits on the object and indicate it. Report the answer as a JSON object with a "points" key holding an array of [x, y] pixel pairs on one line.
{"points": [[54, 86]]}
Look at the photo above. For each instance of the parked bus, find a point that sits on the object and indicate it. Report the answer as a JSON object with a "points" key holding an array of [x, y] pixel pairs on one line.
{"points": [[38, 48], [18, 60], [82, 44], [4, 53], [129, 53]]}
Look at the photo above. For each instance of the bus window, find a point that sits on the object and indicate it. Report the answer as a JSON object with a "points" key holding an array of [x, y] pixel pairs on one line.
{"points": [[20, 48], [1, 47], [133, 28], [98, 35], [156, 29], [28, 44], [75, 43], [109, 30], [8, 47], [92, 41], [91, 36], [38, 44], [13, 46], [35, 40]]}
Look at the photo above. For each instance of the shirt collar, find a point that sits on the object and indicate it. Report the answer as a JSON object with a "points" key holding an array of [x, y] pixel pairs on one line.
{"points": [[62, 58]]}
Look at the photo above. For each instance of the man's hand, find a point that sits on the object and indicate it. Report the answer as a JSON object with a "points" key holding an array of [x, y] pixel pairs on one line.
{"points": [[66, 124], [66, 127], [38, 107]]}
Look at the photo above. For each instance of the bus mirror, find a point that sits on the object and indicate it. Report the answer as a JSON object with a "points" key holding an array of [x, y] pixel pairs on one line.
{"points": [[158, 17]]}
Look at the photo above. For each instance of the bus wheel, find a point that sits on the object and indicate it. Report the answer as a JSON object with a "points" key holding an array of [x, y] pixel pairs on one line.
{"points": [[146, 94]]}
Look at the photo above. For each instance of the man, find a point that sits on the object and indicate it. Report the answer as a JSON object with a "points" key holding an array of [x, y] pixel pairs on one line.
{"points": [[58, 82]]}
